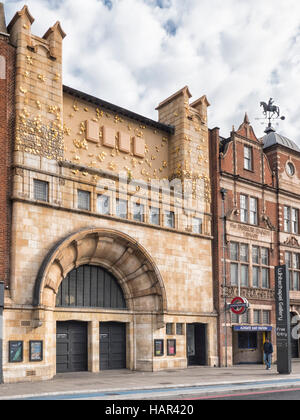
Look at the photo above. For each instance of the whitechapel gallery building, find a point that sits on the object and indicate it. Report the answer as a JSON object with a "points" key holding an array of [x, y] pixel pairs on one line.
{"points": [[111, 227]]}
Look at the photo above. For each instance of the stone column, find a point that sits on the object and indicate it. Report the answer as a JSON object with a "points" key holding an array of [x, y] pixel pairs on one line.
{"points": [[93, 347]]}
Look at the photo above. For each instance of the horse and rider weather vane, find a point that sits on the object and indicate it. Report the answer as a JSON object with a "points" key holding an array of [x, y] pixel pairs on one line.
{"points": [[271, 112]]}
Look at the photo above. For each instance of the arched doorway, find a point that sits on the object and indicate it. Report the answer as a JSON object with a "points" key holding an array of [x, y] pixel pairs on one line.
{"points": [[90, 286], [106, 281], [119, 254]]}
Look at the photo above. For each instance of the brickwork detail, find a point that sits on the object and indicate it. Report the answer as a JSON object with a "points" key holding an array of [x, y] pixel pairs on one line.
{"points": [[7, 54]]}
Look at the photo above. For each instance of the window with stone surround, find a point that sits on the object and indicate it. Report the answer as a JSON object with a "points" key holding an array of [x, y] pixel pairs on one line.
{"points": [[249, 267], [248, 160], [266, 317], [292, 261], [240, 319], [291, 220], [84, 200], [154, 216], [239, 266], [260, 267], [41, 190], [138, 212], [244, 208], [121, 209], [256, 316], [179, 329], [261, 317], [169, 328], [103, 204], [248, 209], [197, 226], [169, 219]]}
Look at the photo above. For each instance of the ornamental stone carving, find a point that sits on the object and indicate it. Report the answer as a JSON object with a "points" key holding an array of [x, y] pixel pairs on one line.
{"points": [[248, 293]]}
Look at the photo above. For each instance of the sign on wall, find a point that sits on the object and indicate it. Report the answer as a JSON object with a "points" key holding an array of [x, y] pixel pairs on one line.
{"points": [[239, 305], [15, 351], [283, 329]]}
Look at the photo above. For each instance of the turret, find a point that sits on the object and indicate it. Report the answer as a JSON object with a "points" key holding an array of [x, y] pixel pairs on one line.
{"points": [[39, 97]]}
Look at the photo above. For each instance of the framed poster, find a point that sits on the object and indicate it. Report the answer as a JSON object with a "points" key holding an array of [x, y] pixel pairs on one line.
{"points": [[171, 347], [36, 351], [158, 348], [15, 351]]}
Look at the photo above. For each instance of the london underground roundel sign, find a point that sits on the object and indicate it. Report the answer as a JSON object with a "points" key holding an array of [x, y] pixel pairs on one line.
{"points": [[239, 305]]}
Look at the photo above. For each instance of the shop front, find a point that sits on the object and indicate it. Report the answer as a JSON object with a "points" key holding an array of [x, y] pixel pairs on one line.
{"points": [[248, 341]]}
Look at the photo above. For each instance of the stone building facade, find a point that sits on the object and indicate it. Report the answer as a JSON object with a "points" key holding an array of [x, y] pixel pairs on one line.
{"points": [[111, 256], [255, 190]]}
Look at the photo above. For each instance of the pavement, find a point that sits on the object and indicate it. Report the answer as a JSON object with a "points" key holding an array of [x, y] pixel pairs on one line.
{"points": [[125, 384]]}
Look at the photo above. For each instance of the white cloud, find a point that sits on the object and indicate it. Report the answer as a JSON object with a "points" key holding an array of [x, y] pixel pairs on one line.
{"points": [[135, 53]]}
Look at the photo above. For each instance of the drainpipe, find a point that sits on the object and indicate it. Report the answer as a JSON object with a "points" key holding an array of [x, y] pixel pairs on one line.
{"points": [[1, 330]]}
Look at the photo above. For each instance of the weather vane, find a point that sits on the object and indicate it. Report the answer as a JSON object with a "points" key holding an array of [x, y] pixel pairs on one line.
{"points": [[271, 112]]}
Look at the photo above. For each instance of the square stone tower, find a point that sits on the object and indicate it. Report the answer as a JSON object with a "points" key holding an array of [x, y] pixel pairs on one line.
{"points": [[39, 126]]}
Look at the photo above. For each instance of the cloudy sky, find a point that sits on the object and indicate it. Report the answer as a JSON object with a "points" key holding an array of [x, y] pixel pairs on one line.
{"points": [[135, 53]]}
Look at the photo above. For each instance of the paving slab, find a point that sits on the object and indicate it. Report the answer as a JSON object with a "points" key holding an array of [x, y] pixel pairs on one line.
{"points": [[122, 381]]}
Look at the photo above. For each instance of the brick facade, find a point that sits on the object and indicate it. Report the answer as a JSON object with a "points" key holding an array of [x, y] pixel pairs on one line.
{"points": [[7, 116], [266, 185]]}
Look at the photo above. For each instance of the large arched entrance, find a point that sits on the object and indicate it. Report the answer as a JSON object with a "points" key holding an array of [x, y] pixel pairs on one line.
{"points": [[90, 286], [102, 289]]}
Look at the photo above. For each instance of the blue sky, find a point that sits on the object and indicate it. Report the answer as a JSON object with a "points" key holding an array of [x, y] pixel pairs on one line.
{"points": [[135, 53]]}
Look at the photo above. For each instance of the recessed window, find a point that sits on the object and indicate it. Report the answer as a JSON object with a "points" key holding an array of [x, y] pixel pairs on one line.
{"points": [[292, 260], [121, 209], [103, 204], [260, 267], [169, 328], [290, 169], [138, 212], [253, 211], [179, 329], [41, 190], [266, 317], [248, 158], [244, 208], [84, 200], [154, 216], [291, 220], [170, 219], [197, 225], [256, 316], [248, 209]]}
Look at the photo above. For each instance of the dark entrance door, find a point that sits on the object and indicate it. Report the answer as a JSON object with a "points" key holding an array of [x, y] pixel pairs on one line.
{"points": [[71, 347], [196, 344], [112, 345]]}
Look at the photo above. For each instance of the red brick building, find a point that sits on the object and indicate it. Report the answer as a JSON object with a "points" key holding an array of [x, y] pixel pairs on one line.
{"points": [[256, 196], [7, 75]]}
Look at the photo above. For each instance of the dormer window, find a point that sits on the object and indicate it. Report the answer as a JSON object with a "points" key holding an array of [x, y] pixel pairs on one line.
{"points": [[248, 158]]}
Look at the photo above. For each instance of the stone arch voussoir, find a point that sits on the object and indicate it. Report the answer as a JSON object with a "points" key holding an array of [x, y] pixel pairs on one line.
{"points": [[115, 251]]}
